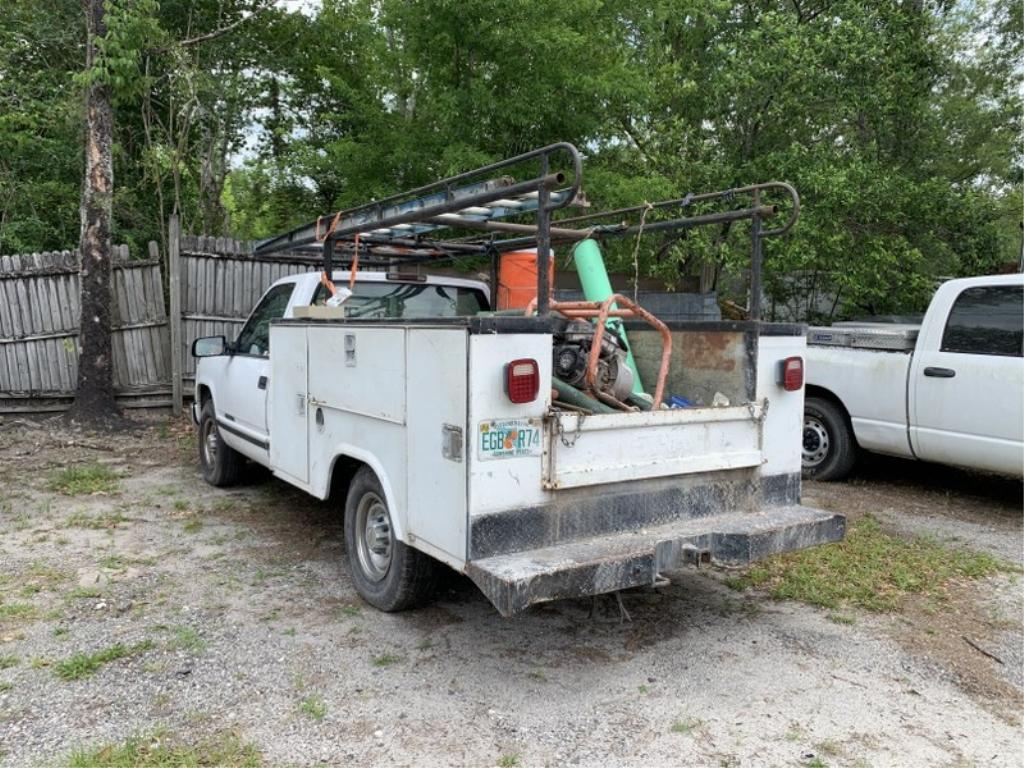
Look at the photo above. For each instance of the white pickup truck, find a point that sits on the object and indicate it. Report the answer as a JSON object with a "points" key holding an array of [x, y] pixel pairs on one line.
{"points": [[509, 446], [948, 390]]}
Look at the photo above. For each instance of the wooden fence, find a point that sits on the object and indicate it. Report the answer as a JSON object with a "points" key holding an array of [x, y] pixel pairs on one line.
{"points": [[39, 315], [214, 284]]}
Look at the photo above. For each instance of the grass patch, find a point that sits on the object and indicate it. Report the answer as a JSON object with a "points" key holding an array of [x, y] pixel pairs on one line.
{"points": [[830, 748], [107, 520], [41, 577], [5, 686], [84, 664], [314, 707], [113, 563], [84, 480], [386, 660], [160, 750], [508, 761], [16, 611], [840, 618], [84, 593], [685, 726], [869, 569], [9, 660], [187, 639], [224, 506], [193, 526]]}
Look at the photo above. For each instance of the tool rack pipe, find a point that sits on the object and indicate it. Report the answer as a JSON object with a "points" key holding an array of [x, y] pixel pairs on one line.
{"points": [[603, 231]]}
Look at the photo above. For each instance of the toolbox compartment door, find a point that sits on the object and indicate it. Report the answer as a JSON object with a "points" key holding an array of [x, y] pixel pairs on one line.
{"points": [[584, 450]]}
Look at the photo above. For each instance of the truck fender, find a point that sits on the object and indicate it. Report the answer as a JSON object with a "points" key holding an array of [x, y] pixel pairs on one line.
{"points": [[814, 390], [348, 451]]}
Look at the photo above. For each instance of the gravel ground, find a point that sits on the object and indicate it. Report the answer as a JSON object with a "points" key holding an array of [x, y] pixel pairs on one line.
{"points": [[251, 624]]}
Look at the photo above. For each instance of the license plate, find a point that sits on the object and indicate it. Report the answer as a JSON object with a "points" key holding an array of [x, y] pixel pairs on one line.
{"points": [[508, 438]]}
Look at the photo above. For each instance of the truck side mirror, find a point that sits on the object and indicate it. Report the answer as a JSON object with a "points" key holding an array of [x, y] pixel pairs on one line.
{"points": [[209, 346]]}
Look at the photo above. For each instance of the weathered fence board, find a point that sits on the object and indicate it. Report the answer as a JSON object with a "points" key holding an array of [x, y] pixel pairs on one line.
{"points": [[219, 282], [39, 315]]}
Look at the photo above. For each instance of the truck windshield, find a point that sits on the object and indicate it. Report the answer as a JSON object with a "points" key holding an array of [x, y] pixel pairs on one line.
{"points": [[407, 300]]}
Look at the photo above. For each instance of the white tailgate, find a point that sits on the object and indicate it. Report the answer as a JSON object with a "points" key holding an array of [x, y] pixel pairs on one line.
{"points": [[613, 447]]}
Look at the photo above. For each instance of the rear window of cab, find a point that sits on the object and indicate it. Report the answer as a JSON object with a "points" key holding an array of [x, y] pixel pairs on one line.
{"points": [[404, 300]]}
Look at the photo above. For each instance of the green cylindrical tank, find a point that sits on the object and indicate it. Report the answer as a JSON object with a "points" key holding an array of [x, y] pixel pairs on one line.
{"points": [[597, 287], [573, 396]]}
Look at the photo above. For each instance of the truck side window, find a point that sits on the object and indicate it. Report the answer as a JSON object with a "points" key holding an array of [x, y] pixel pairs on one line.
{"points": [[987, 320], [255, 336]]}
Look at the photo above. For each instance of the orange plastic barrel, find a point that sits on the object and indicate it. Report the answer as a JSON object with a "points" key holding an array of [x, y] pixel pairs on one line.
{"points": [[517, 279]]}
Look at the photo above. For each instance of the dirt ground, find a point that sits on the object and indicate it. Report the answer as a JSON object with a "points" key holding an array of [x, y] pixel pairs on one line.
{"points": [[238, 615]]}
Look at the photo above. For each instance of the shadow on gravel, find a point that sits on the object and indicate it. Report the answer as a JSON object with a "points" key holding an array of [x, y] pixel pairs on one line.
{"points": [[909, 475]]}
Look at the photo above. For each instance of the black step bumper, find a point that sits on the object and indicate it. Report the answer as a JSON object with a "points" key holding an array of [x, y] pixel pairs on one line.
{"points": [[608, 563]]}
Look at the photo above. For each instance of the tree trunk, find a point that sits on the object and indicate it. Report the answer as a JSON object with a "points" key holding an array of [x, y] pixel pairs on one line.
{"points": [[94, 397]]}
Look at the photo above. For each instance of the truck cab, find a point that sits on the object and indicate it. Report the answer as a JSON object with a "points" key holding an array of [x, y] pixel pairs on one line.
{"points": [[949, 389]]}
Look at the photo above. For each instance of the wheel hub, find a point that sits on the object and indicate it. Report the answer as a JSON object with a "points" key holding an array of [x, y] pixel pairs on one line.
{"points": [[208, 442], [375, 536], [816, 443]]}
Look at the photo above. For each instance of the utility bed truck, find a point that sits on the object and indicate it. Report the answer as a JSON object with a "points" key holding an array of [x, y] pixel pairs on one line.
{"points": [[507, 445], [949, 389]]}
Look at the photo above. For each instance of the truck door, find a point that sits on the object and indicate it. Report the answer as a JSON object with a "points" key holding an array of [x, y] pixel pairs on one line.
{"points": [[966, 382], [242, 406]]}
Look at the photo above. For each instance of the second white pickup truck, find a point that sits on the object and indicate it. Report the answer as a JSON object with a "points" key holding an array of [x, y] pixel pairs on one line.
{"points": [[949, 390]]}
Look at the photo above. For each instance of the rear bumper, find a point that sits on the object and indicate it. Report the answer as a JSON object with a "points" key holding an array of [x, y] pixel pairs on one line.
{"points": [[517, 580]]}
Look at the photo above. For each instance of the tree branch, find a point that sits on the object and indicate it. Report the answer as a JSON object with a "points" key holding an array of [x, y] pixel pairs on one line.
{"points": [[219, 32]]}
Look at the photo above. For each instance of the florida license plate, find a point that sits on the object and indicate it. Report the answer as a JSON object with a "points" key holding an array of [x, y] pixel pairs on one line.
{"points": [[508, 438]]}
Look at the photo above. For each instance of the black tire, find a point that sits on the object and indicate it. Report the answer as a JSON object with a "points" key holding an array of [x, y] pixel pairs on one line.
{"points": [[829, 449], [221, 464], [403, 577]]}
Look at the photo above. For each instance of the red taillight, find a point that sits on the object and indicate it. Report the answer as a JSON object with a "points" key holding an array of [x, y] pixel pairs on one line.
{"points": [[522, 381], [792, 370]]}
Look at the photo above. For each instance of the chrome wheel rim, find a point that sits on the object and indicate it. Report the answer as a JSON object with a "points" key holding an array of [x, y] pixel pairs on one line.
{"points": [[208, 443], [374, 536], [816, 442]]}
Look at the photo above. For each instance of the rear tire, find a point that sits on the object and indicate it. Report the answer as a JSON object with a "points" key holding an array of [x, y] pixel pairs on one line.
{"points": [[221, 464], [829, 450], [387, 574]]}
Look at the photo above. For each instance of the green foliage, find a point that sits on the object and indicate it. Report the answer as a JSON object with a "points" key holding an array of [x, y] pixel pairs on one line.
{"points": [[869, 569], [131, 28], [899, 123]]}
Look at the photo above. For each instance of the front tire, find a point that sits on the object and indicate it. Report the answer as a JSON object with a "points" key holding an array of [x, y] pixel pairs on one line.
{"points": [[387, 574], [829, 450], [221, 464]]}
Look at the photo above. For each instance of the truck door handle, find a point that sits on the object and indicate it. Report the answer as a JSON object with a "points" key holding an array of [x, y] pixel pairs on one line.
{"points": [[262, 382], [939, 373]]}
